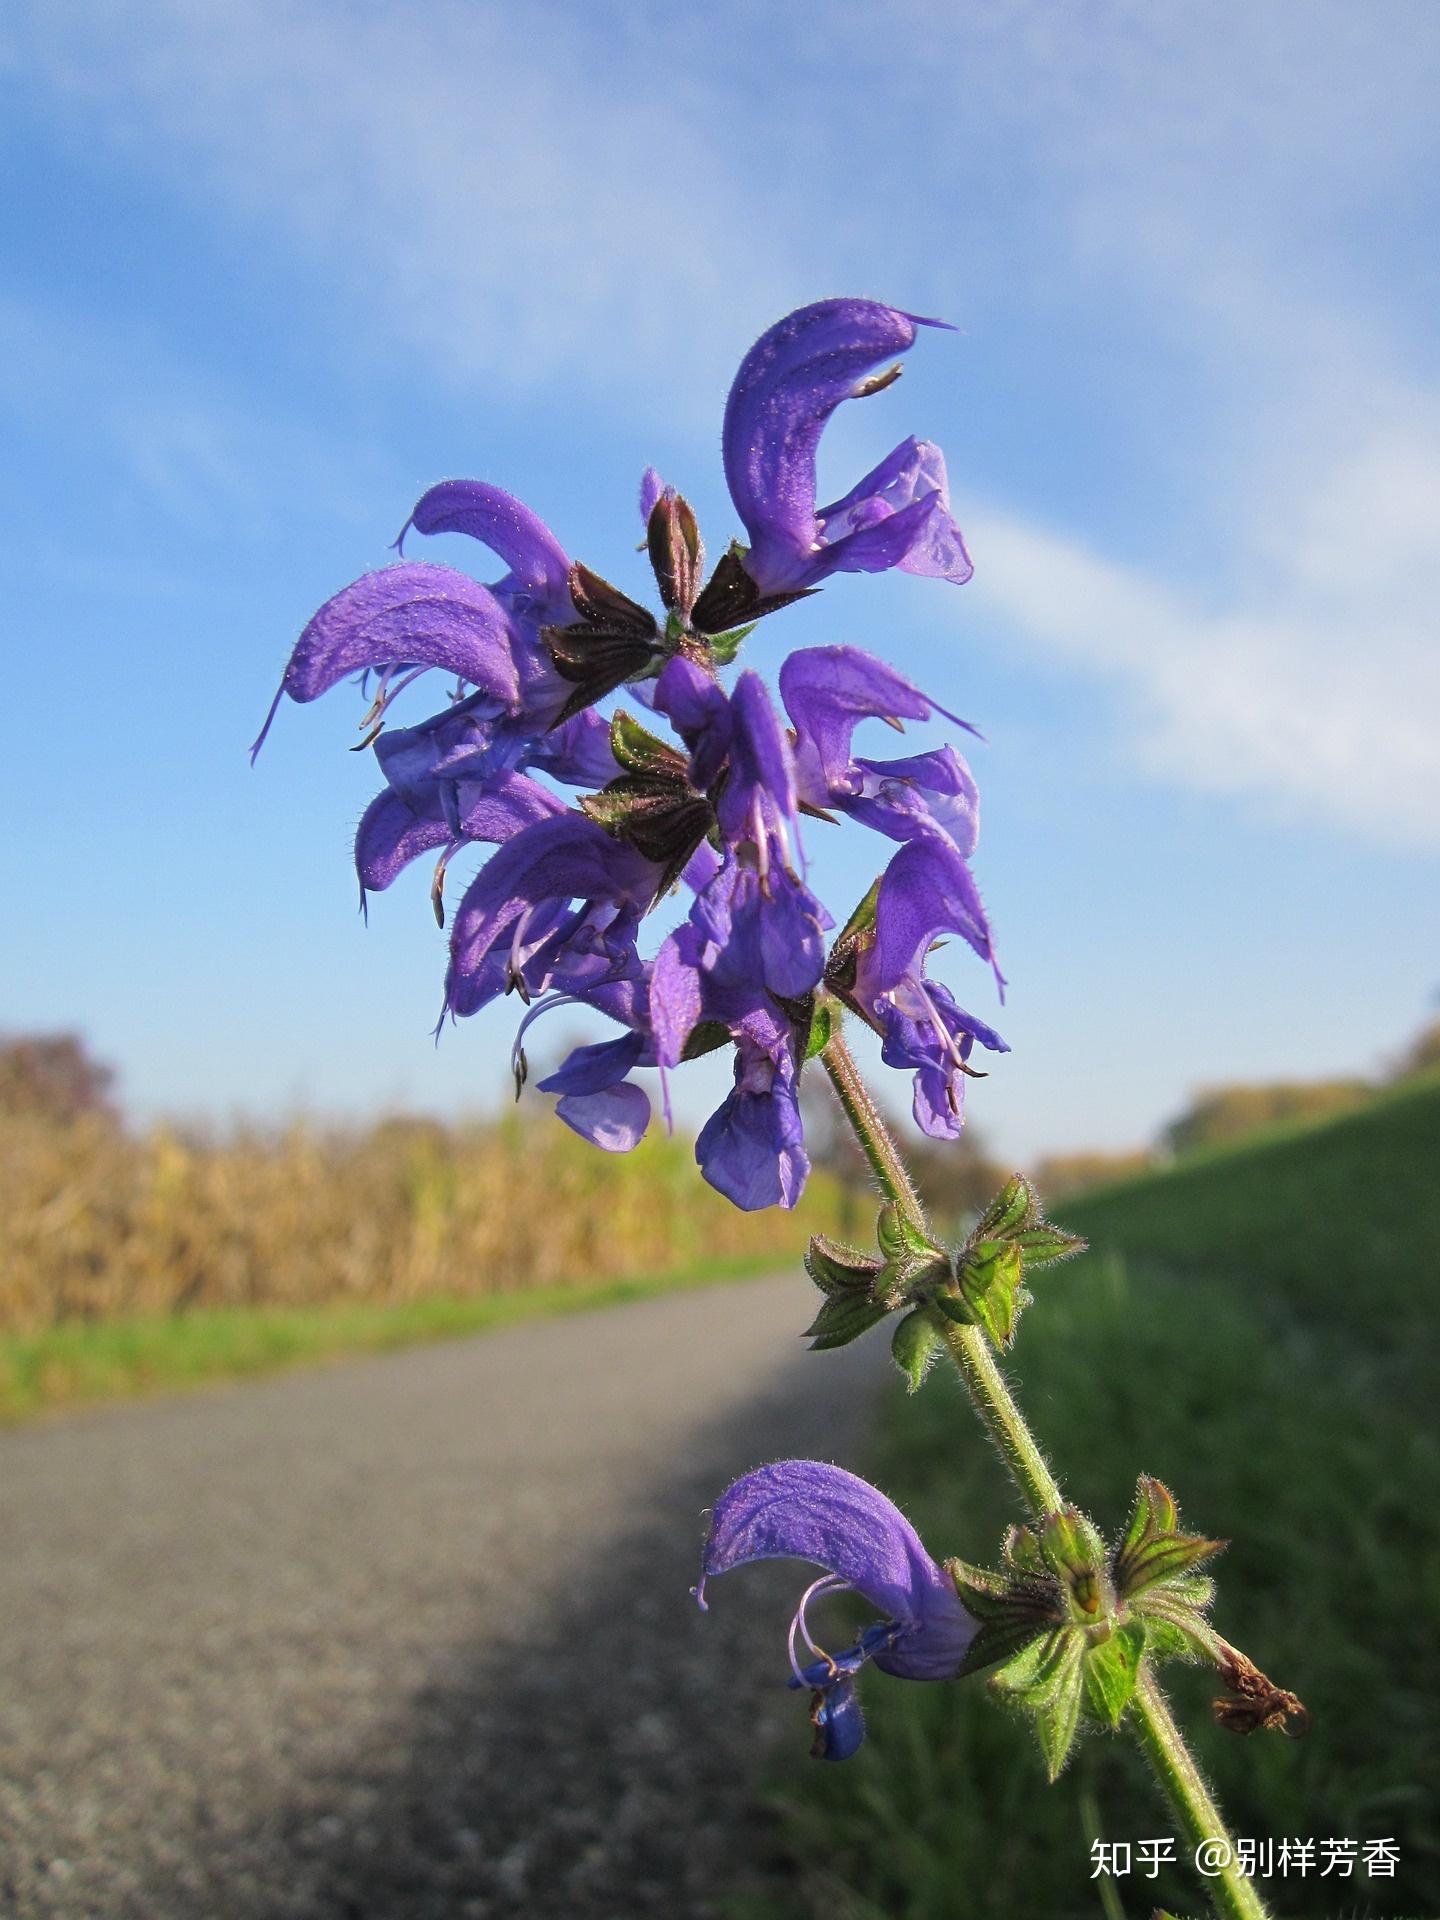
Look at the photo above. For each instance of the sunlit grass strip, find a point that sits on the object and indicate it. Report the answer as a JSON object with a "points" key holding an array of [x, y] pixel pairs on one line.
{"points": [[86, 1365]]}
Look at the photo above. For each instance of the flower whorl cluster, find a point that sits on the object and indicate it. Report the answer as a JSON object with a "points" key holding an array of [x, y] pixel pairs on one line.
{"points": [[555, 915]]}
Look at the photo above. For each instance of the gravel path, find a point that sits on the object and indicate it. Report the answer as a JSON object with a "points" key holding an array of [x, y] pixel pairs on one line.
{"points": [[410, 1636]]}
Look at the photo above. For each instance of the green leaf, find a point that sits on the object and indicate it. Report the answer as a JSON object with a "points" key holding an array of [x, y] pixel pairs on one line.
{"points": [[639, 750], [1013, 1208], [1041, 1244], [1111, 1669], [841, 1319], [836, 1268], [822, 1026], [725, 646], [914, 1345]]}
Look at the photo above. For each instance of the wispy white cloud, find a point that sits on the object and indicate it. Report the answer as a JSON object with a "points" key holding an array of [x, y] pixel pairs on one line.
{"points": [[575, 194], [1313, 690]]}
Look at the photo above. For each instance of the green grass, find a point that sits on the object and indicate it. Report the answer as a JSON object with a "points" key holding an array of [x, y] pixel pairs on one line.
{"points": [[82, 1364], [1255, 1327]]}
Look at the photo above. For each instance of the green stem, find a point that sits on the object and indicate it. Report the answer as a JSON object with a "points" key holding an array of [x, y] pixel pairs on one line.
{"points": [[1006, 1425], [870, 1130], [1160, 1739], [1164, 1747]]}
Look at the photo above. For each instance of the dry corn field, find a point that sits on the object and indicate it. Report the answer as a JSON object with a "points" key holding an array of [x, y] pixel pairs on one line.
{"points": [[100, 1222]]}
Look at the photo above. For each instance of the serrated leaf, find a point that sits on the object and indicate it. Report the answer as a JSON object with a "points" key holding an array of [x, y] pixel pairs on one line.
{"points": [[1111, 1669], [1041, 1244], [913, 1346], [842, 1318], [1012, 1209], [836, 1268]]}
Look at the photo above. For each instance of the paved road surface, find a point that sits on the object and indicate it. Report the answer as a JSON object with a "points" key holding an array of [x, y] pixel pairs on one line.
{"points": [[410, 1636]]}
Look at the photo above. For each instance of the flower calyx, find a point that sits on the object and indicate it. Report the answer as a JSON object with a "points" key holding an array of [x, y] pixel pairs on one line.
{"points": [[861, 1289], [1054, 1630], [613, 640], [1065, 1624], [732, 597], [651, 806], [1154, 1569], [1009, 1238]]}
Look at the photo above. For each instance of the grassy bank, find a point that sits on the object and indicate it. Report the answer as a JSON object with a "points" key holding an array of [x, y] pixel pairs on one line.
{"points": [[1256, 1327], [82, 1365]]}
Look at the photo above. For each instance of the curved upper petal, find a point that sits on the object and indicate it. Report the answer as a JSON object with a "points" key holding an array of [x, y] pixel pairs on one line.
{"points": [[810, 1510], [926, 890], [788, 385], [412, 614], [392, 833], [827, 692], [533, 556], [548, 865]]}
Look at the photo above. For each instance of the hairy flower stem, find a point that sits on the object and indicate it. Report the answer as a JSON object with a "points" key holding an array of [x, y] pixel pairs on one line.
{"points": [[1006, 1425], [1234, 1897], [1233, 1894], [870, 1130]]}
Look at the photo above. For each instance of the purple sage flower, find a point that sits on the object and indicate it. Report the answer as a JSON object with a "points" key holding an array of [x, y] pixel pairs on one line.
{"points": [[808, 1510], [789, 384], [926, 891], [555, 915], [827, 692]]}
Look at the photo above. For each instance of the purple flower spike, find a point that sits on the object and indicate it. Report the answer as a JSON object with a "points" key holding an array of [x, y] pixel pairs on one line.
{"points": [[789, 384], [808, 1510]]}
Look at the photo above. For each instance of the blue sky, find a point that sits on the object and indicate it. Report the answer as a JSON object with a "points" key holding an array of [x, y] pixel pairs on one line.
{"points": [[269, 270]]}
